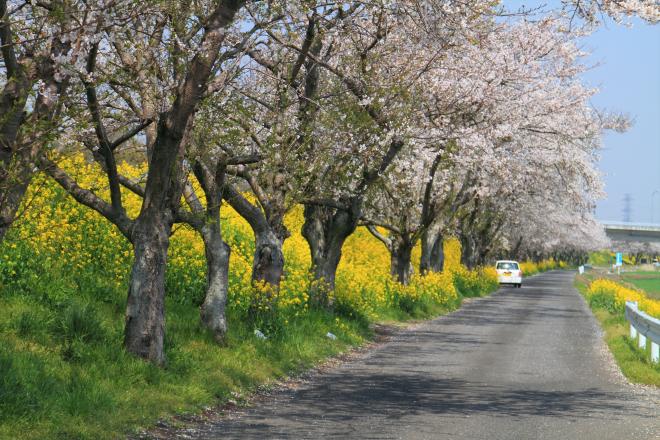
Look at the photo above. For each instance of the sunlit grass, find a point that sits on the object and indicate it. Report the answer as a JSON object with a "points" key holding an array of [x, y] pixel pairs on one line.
{"points": [[647, 281], [66, 376], [69, 378], [635, 363]]}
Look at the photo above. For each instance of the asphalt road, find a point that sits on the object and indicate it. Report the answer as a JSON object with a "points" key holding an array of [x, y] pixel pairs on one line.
{"points": [[524, 363]]}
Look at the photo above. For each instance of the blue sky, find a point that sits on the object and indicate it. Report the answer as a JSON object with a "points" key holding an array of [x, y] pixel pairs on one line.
{"points": [[629, 79], [627, 72]]}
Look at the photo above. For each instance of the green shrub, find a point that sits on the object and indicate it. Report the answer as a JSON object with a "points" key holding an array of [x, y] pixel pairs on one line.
{"points": [[604, 301]]}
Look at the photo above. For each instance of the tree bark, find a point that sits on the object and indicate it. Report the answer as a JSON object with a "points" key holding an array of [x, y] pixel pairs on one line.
{"points": [[437, 254], [433, 257], [145, 317], [268, 261], [326, 230], [212, 312], [425, 258], [217, 278], [515, 252], [468, 251], [12, 190], [145, 309], [16, 161], [15, 170], [400, 259]]}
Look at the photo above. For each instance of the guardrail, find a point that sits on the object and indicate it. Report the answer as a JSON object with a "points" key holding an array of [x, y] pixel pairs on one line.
{"points": [[646, 326]]}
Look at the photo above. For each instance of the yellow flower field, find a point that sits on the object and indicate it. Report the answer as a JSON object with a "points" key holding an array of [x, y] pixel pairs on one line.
{"points": [[58, 233], [615, 296], [531, 268]]}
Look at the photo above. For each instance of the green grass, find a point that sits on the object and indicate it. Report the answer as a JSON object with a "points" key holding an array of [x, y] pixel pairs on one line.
{"points": [[66, 376], [647, 281], [635, 363]]}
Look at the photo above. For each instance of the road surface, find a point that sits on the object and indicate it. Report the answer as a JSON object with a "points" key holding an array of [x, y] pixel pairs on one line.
{"points": [[524, 363]]}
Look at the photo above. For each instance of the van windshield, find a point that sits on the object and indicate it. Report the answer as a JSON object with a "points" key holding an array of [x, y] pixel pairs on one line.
{"points": [[507, 266]]}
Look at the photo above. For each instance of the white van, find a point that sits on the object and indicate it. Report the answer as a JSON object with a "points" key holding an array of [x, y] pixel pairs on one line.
{"points": [[509, 272]]}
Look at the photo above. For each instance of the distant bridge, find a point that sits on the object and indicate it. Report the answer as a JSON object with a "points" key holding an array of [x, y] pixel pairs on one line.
{"points": [[632, 232]]}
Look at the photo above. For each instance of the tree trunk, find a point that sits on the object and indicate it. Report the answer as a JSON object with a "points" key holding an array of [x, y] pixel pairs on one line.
{"points": [[217, 279], [468, 251], [437, 254], [515, 252], [324, 270], [145, 309], [268, 263], [212, 181], [482, 257], [269, 235], [425, 257], [433, 254], [481, 250], [326, 230], [15, 169], [12, 190], [400, 260], [465, 249]]}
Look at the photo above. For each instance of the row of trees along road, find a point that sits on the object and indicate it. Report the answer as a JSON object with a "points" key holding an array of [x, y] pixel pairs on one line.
{"points": [[417, 119]]}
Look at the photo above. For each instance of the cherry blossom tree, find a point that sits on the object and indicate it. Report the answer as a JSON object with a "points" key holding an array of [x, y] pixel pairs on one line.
{"points": [[279, 102], [374, 78], [619, 10], [42, 44], [498, 112], [417, 119], [188, 43]]}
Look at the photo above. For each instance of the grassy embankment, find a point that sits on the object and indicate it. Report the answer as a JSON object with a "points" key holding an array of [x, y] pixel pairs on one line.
{"points": [[63, 284], [607, 303], [647, 281]]}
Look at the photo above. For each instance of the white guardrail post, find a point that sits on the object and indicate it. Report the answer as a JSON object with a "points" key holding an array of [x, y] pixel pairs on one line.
{"points": [[644, 326]]}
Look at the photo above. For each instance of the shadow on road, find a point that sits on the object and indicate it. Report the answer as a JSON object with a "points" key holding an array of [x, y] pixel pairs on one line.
{"points": [[345, 399], [512, 357]]}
